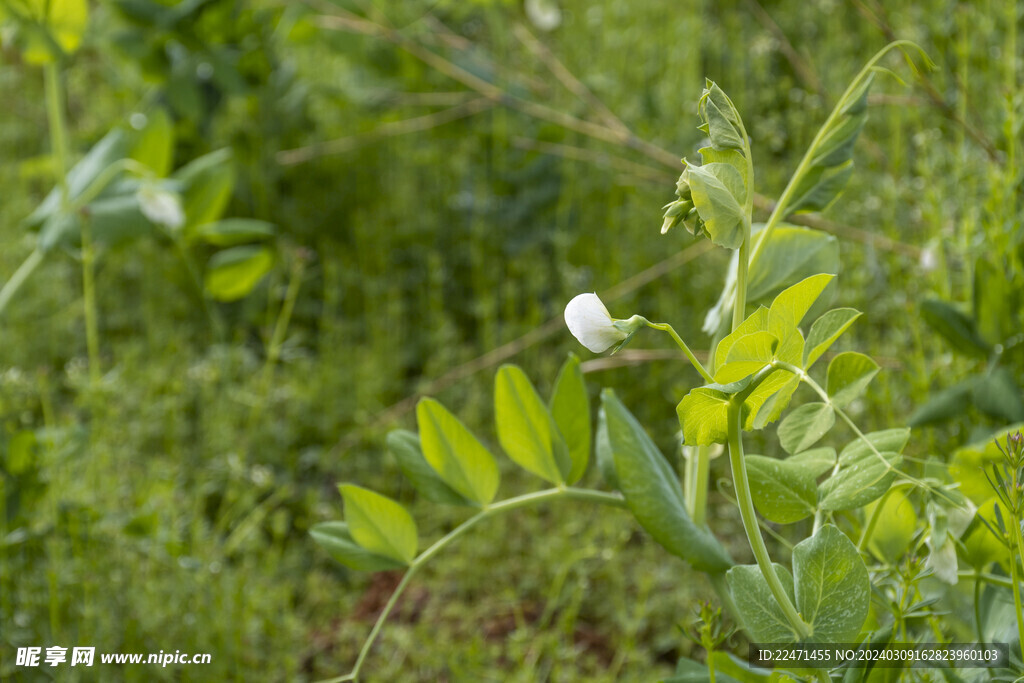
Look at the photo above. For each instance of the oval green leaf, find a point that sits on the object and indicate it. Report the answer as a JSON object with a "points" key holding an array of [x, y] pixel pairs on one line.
{"points": [[456, 455], [783, 492], [334, 537], [526, 429], [849, 374], [570, 406], [760, 613], [232, 273], [653, 492], [832, 588], [805, 426], [825, 331], [379, 524], [405, 446]]}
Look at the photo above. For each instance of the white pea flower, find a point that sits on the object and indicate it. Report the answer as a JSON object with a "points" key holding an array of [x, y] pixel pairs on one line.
{"points": [[161, 206], [929, 260], [592, 324], [543, 14]]}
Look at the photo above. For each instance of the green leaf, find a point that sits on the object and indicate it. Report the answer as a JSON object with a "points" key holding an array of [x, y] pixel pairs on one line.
{"points": [[113, 220], [405, 446], [816, 461], [154, 144], [526, 429], [49, 29], [703, 416], [110, 148], [746, 356], [789, 255], [603, 449], [832, 588], [997, 394], [232, 273], [570, 406], [755, 322], [819, 187], [792, 304], [831, 166], [379, 524], [849, 374], [825, 331], [760, 613], [943, 405], [895, 529], [456, 455], [783, 491], [981, 547], [970, 462], [860, 481], [653, 493], [716, 189], [766, 403], [955, 327], [229, 232], [803, 427], [689, 671], [719, 118], [334, 537], [997, 302], [207, 184]]}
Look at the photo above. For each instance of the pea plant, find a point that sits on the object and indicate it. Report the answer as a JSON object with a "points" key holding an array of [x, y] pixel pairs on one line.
{"points": [[126, 188], [878, 534]]}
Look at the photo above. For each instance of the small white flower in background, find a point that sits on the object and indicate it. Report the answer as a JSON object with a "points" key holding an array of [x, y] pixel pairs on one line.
{"points": [[929, 259], [161, 206], [591, 323], [543, 14]]}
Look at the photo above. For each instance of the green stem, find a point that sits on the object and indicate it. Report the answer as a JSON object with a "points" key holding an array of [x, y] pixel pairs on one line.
{"points": [[58, 128], [782, 206], [869, 528], [817, 388], [995, 580], [59, 140], [977, 606], [700, 485], [665, 327], [749, 518], [740, 305], [92, 334], [488, 512], [22, 274], [1018, 539]]}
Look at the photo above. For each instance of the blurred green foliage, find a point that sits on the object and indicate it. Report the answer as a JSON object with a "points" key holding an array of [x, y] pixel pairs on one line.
{"points": [[167, 506]]}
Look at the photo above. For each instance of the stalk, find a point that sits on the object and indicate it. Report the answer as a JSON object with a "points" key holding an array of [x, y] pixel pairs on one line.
{"points": [[749, 518], [59, 142], [488, 512], [779, 212], [665, 327]]}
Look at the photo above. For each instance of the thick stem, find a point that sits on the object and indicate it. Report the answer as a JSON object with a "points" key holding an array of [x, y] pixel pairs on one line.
{"points": [[740, 305], [749, 518], [700, 485]]}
